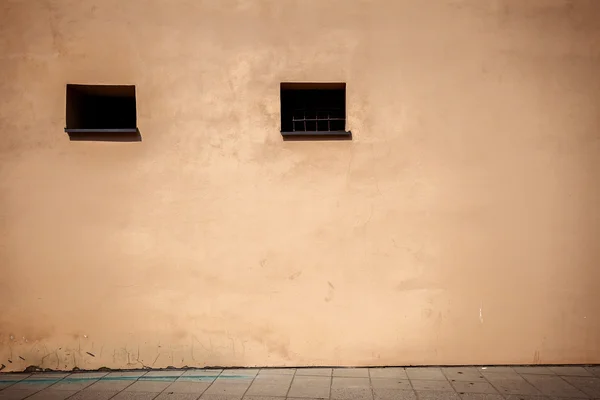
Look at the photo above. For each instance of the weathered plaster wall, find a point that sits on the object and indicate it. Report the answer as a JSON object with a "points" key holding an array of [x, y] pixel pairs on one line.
{"points": [[460, 225]]}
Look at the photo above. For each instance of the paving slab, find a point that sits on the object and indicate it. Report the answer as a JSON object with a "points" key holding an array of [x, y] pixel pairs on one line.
{"points": [[474, 387], [188, 387], [526, 397], [497, 370], [433, 395], [34, 386], [594, 370], [315, 387], [206, 396], [116, 381], [261, 398], [480, 396], [51, 394], [16, 394], [175, 396], [500, 374], [37, 382], [148, 386], [425, 374], [277, 371], [7, 380], [49, 375], [588, 385], [436, 386], [399, 373], [135, 396], [242, 372], [93, 395], [351, 394], [551, 386], [270, 385], [79, 381], [351, 372], [387, 383], [394, 394], [534, 370], [463, 374], [515, 387], [349, 383], [314, 371], [571, 371], [195, 372], [229, 387], [164, 374]]}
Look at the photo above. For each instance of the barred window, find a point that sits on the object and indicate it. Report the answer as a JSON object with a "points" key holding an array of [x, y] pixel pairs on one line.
{"points": [[313, 109]]}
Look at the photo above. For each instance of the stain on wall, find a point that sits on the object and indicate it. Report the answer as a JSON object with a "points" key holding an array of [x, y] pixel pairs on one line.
{"points": [[459, 226]]}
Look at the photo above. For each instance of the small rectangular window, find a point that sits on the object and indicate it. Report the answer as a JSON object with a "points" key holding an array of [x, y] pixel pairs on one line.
{"points": [[313, 110], [101, 109]]}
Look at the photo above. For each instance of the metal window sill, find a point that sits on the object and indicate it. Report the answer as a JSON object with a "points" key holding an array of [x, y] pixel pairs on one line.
{"points": [[317, 135], [105, 135], [100, 130]]}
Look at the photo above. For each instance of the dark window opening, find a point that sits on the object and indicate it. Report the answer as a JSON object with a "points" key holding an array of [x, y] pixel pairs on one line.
{"points": [[101, 109], [313, 109]]}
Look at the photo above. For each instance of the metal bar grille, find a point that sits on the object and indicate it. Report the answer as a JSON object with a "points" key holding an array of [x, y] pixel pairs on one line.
{"points": [[323, 120]]}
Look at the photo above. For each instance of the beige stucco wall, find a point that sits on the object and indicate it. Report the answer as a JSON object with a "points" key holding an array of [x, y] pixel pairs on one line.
{"points": [[460, 225]]}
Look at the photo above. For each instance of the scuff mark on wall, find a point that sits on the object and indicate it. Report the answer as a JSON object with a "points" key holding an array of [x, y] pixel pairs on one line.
{"points": [[481, 312], [536, 357], [330, 292], [295, 275]]}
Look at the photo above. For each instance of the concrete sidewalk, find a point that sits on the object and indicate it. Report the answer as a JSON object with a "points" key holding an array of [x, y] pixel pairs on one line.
{"points": [[491, 383]]}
